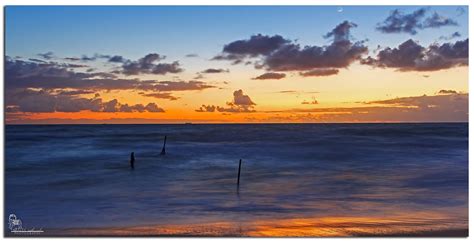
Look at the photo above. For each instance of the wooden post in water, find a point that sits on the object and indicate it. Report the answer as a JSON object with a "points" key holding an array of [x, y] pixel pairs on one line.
{"points": [[238, 176], [132, 160], [163, 151]]}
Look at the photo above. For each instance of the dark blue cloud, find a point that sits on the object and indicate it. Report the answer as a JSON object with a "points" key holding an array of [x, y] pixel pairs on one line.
{"points": [[399, 22]]}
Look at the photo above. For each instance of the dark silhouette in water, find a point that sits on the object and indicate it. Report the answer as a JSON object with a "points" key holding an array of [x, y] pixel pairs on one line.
{"points": [[163, 151], [238, 176], [132, 160]]}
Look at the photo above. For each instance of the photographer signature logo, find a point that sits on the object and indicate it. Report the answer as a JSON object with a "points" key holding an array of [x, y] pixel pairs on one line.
{"points": [[15, 225]]}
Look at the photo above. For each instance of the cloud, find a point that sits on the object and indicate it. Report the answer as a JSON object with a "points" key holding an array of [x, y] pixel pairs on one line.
{"points": [[24, 74], [294, 58], [310, 102], [442, 92], [241, 103], [241, 99], [52, 87], [438, 108], [191, 55], [75, 92], [206, 108], [72, 58], [148, 65], [399, 22], [257, 45], [452, 100], [94, 57], [41, 101], [410, 56], [213, 71], [37, 60], [153, 108], [450, 37], [288, 91], [341, 32], [199, 76], [69, 65], [48, 55], [277, 54], [320, 72], [160, 95], [167, 86], [437, 21], [117, 59], [52, 64], [270, 75]]}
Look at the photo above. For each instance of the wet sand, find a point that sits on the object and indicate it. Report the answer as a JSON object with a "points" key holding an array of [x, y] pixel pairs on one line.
{"points": [[307, 227]]}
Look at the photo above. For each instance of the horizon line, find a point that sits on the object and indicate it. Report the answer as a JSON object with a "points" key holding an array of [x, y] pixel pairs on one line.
{"points": [[262, 123]]}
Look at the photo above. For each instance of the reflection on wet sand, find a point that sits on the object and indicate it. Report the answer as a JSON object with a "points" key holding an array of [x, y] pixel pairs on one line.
{"points": [[412, 224]]}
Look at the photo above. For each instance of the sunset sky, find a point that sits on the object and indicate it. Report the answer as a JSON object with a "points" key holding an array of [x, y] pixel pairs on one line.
{"points": [[236, 64]]}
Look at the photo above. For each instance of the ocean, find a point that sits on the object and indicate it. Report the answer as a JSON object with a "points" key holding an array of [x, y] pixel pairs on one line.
{"points": [[345, 179]]}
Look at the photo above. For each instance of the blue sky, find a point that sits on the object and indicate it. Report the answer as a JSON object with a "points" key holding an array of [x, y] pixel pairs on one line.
{"points": [[177, 31]]}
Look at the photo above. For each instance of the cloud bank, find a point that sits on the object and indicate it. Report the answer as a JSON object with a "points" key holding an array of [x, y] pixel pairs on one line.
{"points": [[410, 56], [277, 54]]}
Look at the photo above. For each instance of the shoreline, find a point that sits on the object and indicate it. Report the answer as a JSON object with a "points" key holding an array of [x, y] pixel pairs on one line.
{"points": [[135, 232], [307, 227]]}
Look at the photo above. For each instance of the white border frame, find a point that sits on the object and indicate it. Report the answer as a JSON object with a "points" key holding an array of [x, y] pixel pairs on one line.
{"points": [[227, 2]]}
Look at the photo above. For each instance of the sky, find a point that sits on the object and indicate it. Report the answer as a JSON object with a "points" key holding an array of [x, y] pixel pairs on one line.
{"points": [[245, 64]]}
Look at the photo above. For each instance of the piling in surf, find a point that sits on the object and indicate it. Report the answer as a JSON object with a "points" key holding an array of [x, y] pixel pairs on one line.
{"points": [[238, 175], [132, 160], [163, 150]]}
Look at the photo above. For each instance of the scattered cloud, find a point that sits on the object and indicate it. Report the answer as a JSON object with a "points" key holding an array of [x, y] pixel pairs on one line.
{"points": [[37, 60], [72, 58], [198, 76], [276, 53], [442, 92], [160, 95], [24, 74], [42, 101], [149, 65], [214, 70], [442, 108], [75, 92], [437, 21], [117, 59], [410, 56], [257, 45], [288, 91], [270, 75], [320, 72], [94, 57], [241, 103], [167, 86], [340, 53], [191, 55], [48, 55], [313, 102], [399, 22], [450, 37], [40, 86]]}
